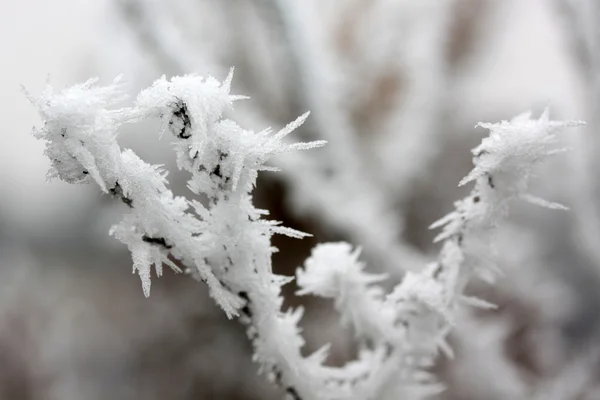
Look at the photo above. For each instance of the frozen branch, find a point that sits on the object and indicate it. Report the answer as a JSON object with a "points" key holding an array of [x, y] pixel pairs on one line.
{"points": [[225, 243]]}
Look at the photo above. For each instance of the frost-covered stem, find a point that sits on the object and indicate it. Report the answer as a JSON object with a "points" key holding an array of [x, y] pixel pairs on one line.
{"points": [[225, 243], [224, 160], [412, 321], [503, 165], [394, 352]]}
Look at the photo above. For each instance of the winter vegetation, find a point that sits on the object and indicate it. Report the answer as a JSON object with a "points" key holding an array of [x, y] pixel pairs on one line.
{"points": [[296, 245], [225, 242]]}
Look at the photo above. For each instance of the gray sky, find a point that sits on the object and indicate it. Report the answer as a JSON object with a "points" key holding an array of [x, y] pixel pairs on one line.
{"points": [[40, 38]]}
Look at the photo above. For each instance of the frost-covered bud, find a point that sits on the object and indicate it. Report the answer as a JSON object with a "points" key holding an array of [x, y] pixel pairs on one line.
{"points": [[504, 160], [333, 270], [188, 99], [191, 108], [77, 121]]}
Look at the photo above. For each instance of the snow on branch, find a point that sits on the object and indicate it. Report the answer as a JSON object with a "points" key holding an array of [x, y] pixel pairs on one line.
{"points": [[80, 128], [226, 243], [409, 325]]}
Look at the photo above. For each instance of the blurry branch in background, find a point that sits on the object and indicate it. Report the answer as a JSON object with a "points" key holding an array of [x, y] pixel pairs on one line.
{"points": [[581, 19], [519, 351], [399, 54], [155, 38], [482, 344], [350, 195], [576, 380]]}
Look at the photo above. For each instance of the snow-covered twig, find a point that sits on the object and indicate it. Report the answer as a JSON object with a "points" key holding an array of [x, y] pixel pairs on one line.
{"points": [[409, 325], [225, 242]]}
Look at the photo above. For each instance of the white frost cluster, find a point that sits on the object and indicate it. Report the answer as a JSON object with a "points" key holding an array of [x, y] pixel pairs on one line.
{"points": [[225, 243]]}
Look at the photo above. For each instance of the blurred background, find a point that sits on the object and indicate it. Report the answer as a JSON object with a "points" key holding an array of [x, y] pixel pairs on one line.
{"points": [[396, 87]]}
